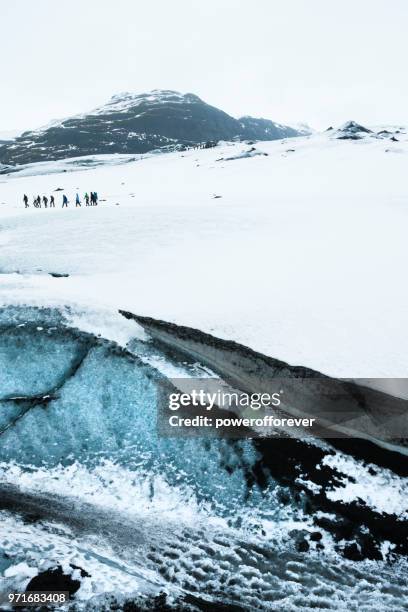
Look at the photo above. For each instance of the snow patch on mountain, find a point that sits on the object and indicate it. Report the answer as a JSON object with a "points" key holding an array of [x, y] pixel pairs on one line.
{"points": [[126, 100]]}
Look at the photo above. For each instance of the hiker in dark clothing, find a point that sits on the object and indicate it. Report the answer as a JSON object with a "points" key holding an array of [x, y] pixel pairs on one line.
{"points": [[92, 198], [35, 202], [39, 201], [64, 201], [25, 200], [95, 198], [52, 202], [86, 196], [45, 201], [77, 201]]}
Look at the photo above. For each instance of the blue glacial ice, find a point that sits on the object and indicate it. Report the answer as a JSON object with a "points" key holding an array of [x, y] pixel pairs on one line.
{"points": [[86, 481]]}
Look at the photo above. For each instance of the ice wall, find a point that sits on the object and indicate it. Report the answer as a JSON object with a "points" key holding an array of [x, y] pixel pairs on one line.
{"points": [[68, 396]]}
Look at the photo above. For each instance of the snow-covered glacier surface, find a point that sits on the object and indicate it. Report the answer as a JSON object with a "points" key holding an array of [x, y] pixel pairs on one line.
{"points": [[86, 485], [298, 254]]}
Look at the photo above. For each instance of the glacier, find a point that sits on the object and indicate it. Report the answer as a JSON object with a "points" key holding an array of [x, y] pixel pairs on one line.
{"points": [[276, 264], [86, 482], [87, 487]]}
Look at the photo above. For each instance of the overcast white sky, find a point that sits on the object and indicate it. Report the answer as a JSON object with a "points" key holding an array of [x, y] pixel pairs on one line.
{"points": [[319, 61]]}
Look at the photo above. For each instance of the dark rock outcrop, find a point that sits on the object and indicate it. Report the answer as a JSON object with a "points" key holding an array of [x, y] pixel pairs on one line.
{"points": [[54, 579], [352, 131]]}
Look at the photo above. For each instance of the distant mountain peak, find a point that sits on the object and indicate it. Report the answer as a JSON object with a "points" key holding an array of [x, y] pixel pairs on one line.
{"points": [[351, 130], [152, 96], [353, 126], [126, 100], [161, 119]]}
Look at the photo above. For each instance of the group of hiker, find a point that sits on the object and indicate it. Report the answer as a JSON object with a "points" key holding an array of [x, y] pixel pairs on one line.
{"points": [[91, 199]]}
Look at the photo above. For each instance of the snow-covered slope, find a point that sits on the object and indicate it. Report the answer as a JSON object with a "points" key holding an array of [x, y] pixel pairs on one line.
{"points": [[137, 123], [299, 253]]}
